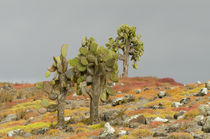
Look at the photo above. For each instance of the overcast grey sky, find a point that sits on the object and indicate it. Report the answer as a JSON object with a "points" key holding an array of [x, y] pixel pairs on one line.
{"points": [[176, 34]]}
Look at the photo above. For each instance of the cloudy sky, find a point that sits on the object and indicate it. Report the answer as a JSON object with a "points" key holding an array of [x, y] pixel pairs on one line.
{"points": [[176, 34]]}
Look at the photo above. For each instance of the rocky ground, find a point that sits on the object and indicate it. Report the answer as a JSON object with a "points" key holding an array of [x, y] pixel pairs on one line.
{"points": [[142, 107]]}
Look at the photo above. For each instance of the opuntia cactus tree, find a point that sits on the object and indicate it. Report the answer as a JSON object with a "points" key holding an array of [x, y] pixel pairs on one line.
{"points": [[61, 85], [130, 44], [94, 66]]}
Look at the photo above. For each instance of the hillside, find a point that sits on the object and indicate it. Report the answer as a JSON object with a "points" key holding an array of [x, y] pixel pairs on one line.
{"points": [[142, 107]]}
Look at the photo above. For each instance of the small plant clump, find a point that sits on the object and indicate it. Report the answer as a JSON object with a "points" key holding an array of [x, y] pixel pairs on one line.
{"points": [[180, 135]]}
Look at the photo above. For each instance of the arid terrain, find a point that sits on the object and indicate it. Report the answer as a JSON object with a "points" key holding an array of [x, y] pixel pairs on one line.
{"points": [[142, 107]]}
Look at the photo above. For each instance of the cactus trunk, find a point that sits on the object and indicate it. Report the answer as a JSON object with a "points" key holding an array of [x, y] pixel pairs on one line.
{"points": [[126, 62], [98, 87], [61, 108]]}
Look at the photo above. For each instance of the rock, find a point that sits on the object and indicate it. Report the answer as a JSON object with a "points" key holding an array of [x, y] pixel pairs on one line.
{"points": [[157, 88], [159, 106], [122, 132], [140, 119], [27, 135], [198, 82], [122, 84], [121, 100], [69, 128], [199, 118], [145, 89], [107, 131], [74, 95], [109, 115], [185, 100], [119, 92], [167, 88], [161, 94], [67, 118], [39, 131], [207, 85], [13, 133], [158, 119], [206, 126], [42, 110], [173, 127], [179, 115], [159, 134], [29, 121], [176, 104], [203, 108], [138, 91], [111, 84], [203, 92], [9, 117]]}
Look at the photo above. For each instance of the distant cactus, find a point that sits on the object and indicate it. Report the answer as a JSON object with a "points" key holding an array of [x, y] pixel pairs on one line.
{"points": [[130, 44], [93, 66], [61, 85]]}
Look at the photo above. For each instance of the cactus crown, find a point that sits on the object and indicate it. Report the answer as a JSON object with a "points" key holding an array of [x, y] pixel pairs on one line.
{"points": [[127, 37], [94, 61]]}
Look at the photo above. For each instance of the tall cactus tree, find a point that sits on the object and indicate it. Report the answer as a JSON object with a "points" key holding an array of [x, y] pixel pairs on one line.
{"points": [[94, 66], [130, 44], [61, 85]]}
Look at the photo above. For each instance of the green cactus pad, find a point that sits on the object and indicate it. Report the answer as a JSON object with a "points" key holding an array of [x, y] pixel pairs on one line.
{"points": [[74, 62], [84, 61], [44, 103], [110, 91], [64, 50], [83, 50], [47, 74]]}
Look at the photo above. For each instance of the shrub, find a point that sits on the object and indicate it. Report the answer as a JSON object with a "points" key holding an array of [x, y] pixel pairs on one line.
{"points": [[191, 114], [180, 135], [53, 132], [142, 133]]}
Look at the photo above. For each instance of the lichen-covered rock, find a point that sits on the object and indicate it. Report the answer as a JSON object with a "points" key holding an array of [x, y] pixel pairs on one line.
{"points": [[161, 94], [204, 108], [9, 117], [206, 126], [158, 119], [122, 132], [107, 131], [202, 92], [13, 133], [39, 131], [185, 100], [176, 104], [207, 85], [121, 100], [179, 115], [42, 110], [140, 119], [138, 91]]}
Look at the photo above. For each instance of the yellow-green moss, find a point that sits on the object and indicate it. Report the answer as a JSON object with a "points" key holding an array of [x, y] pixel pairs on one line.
{"points": [[180, 135], [142, 133]]}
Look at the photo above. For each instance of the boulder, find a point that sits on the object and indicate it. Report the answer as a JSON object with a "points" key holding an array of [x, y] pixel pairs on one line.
{"points": [[67, 118], [161, 94], [107, 131], [176, 104], [42, 110], [198, 82], [204, 108], [199, 118], [158, 119], [121, 100], [179, 115], [202, 92], [39, 131], [122, 132], [206, 126], [207, 85], [13, 133], [109, 115], [9, 117], [140, 119], [138, 91], [185, 100]]}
